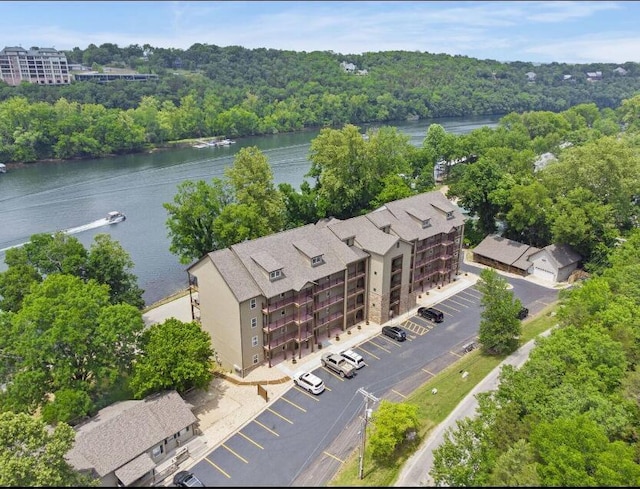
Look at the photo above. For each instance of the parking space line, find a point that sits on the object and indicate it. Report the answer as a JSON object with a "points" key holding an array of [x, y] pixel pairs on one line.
{"points": [[459, 303], [266, 428], [380, 346], [237, 455], [280, 416], [456, 354], [333, 457], [445, 312], [425, 370], [369, 353], [300, 389], [293, 404], [472, 295], [396, 392], [464, 299], [219, 469], [250, 440]]}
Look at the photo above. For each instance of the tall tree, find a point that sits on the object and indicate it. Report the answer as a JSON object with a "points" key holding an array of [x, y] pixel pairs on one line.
{"points": [[175, 355], [32, 455], [191, 219], [500, 327], [67, 335]]}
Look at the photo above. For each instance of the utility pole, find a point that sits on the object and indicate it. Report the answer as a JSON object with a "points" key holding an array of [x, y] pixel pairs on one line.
{"points": [[363, 430]]}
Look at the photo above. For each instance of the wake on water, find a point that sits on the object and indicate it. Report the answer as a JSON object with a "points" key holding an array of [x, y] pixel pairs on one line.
{"points": [[78, 229]]}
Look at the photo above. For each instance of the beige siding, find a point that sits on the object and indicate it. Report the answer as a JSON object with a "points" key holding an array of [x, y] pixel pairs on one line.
{"points": [[220, 315]]}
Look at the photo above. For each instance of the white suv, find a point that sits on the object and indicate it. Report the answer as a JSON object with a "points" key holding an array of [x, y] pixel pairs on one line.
{"points": [[309, 382], [353, 358]]}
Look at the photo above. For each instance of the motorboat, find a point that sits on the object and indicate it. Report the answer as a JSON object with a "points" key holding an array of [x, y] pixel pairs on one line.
{"points": [[115, 216]]}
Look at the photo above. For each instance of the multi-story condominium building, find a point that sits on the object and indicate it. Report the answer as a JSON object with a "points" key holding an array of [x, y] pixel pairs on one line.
{"points": [[44, 66], [279, 296]]}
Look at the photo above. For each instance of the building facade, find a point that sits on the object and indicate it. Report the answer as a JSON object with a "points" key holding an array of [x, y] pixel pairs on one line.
{"points": [[44, 66], [279, 296]]}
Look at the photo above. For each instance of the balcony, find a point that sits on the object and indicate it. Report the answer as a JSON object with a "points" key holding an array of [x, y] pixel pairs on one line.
{"points": [[356, 274], [355, 290], [325, 285], [280, 340], [329, 319], [331, 300]]}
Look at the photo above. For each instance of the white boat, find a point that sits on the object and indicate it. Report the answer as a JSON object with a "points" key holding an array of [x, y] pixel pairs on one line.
{"points": [[3, 168], [201, 145], [115, 216]]}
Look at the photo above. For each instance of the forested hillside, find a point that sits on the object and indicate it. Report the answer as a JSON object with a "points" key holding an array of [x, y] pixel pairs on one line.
{"points": [[208, 90]]}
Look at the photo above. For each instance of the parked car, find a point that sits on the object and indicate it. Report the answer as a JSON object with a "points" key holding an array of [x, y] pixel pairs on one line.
{"points": [[353, 358], [338, 364], [184, 478], [394, 332], [523, 313], [309, 382], [431, 314]]}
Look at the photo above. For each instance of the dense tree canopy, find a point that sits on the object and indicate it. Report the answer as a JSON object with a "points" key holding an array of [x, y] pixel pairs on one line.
{"points": [[31, 455]]}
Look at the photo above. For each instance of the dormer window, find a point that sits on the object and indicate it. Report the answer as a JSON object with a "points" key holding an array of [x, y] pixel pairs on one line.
{"points": [[275, 275], [426, 223], [386, 229], [350, 241], [450, 215], [316, 260]]}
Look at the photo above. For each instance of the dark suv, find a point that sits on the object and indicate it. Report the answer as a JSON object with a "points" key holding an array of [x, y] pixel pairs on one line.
{"points": [[394, 332], [523, 313], [431, 314]]}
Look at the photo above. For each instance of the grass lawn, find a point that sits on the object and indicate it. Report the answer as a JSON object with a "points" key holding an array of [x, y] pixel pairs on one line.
{"points": [[432, 410]]}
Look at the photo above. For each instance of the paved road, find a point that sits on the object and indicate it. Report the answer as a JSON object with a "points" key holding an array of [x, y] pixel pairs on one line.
{"points": [[416, 470]]}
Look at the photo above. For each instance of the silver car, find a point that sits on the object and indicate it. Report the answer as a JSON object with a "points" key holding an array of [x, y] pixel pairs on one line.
{"points": [[353, 358]]}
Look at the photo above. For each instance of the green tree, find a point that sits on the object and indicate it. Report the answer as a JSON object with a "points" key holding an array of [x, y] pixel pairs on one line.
{"points": [[392, 424], [67, 335], [175, 355], [258, 208], [191, 219], [500, 327], [108, 263], [33, 455]]}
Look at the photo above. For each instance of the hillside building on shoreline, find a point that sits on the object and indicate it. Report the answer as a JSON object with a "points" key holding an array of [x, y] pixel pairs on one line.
{"points": [[279, 296], [44, 66]]}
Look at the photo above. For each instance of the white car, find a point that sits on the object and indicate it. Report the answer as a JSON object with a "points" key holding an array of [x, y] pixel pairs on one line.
{"points": [[353, 358], [309, 382]]}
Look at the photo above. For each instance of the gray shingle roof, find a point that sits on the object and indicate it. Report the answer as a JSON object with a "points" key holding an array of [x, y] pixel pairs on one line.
{"points": [[505, 251], [563, 254], [120, 433], [245, 266]]}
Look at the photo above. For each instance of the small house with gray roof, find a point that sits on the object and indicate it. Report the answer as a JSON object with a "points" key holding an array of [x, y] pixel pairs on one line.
{"points": [[124, 443], [553, 263], [279, 296]]}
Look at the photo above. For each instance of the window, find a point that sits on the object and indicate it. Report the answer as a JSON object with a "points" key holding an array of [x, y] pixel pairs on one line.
{"points": [[275, 275], [316, 260], [426, 223], [254, 322], [255, 359], [254, 341], [157, 451], [350, 241], [450, 215], [252, 304]]}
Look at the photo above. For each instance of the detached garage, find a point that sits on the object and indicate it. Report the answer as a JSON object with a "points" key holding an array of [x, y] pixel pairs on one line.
{"points": [[554, 263]]}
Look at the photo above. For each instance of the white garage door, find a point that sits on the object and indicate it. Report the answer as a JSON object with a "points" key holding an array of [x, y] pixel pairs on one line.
{"points": [[544, 274]]}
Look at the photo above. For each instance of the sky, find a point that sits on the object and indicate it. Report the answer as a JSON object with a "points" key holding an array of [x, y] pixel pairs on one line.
{"points": [[538, 32]]}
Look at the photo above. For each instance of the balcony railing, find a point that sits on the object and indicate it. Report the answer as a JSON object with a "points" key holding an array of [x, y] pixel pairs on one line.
{"points": [[296, 300], [328, 319], [354, 290], [356, 274], [331, 300], [328, 284]]}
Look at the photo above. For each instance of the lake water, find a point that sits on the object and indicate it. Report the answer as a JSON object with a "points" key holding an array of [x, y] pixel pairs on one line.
{"points": [[76, 195]]}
